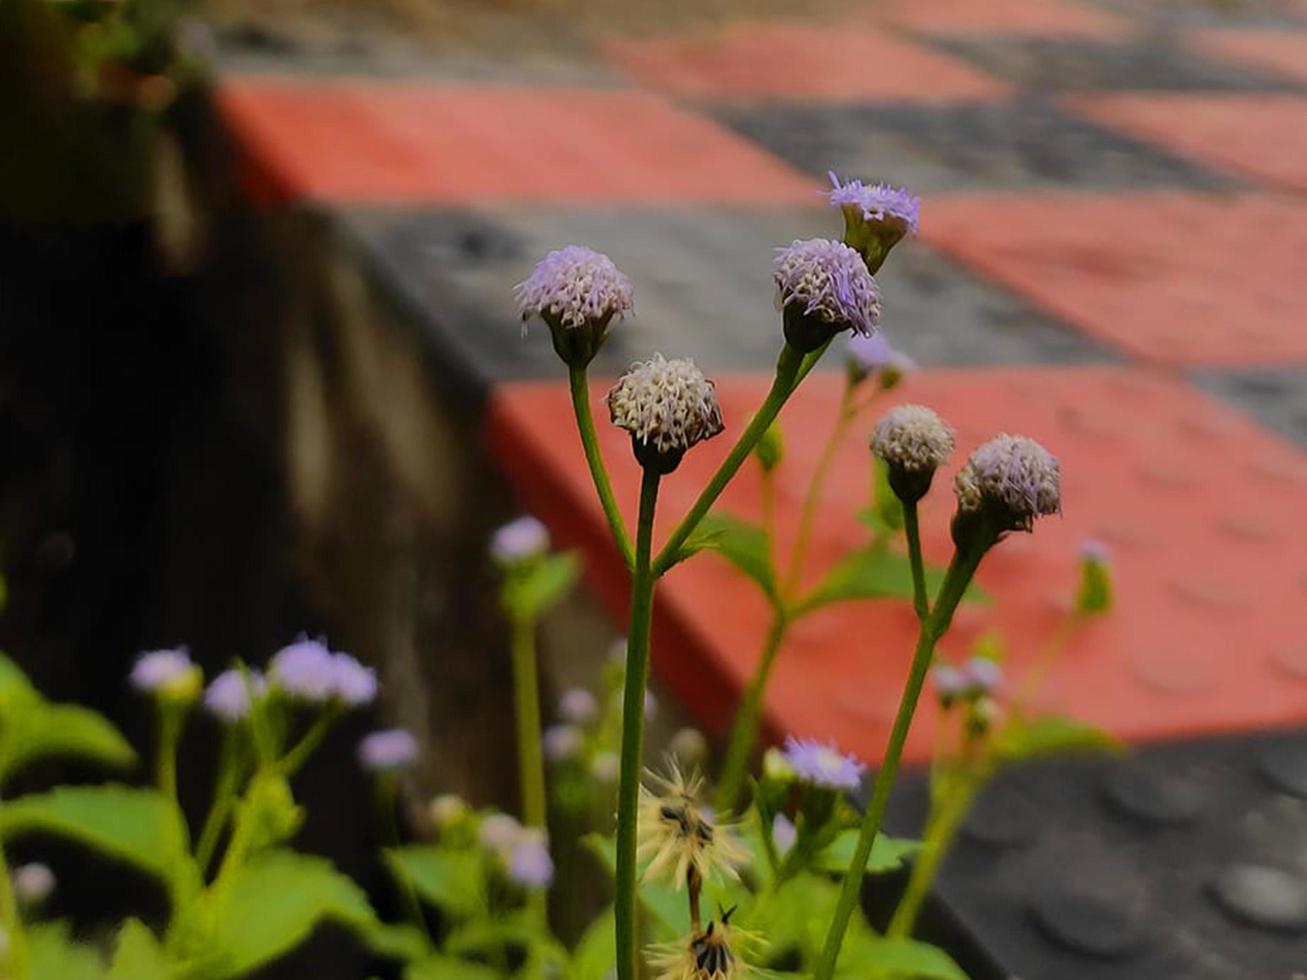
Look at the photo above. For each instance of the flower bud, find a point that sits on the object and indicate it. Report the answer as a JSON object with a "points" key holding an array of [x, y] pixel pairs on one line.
{"points": [[448, 810], [1095, 594], [770, 449], [521, 539], [875, 355], [168, 675], [577, 292], [876, 217], [1005, 484], [914, 442], [667, 407], [824, 288]]}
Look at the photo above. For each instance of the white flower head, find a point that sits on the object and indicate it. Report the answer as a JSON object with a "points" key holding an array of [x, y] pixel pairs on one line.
{"points": [[667, 407], [913, 438]]}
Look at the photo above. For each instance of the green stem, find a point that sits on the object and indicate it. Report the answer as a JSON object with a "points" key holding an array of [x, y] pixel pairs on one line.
{"points": [[942, 829], [526, 691], [15, 958], [637, 677], [293, 760], [811, 500], [1044, 660], [585, 425], [960, 571], [744, 730], [224, 799], [171, 717], [912, 531], [788, 367]]}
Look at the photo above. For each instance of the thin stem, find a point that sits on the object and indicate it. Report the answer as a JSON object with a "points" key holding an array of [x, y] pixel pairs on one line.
{"points": [[744, 730], [959, 574], [942, 830], [165, 764], [585, 425], [812, 499], [1035, 677], [637, 677], [788, 366], [767, 489], [293, 760], [912, 531], [526, 690], [15, 957], [224, 799]]}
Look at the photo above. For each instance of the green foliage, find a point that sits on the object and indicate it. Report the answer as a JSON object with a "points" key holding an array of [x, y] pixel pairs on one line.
{"points": [[1022, 739], [1095, 593], [54, 955], [449, 968], [137, 826], [897, 959], [138, 956], [887, 853], [873, 572], [742, 544], [533, 587], [596, 952], [770, 450], [454, 881]]}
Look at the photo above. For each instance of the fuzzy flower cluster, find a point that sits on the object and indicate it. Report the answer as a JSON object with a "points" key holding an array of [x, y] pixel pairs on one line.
{"points": [[822, 764], [667, 405], [160, 670], [1014, 474], [575, 286], [977, 677], [523, 851], [307, 670], [912, 438], [829, 281], [388, 751], [227, 697], [876, 202], [520, 539]]}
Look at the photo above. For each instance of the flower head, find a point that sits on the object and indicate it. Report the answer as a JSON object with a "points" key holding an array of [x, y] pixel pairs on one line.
{"points": [[876, 355], [822, 764], [352, 683], [876, 216], [578, 706], [227, 697], [783, 833], [562, 742], [167, 674], [447, 810], [824, 288], [1014, 479], [1091, 549], [950, 683], [605, 767], [577, 292], [1095, 593], [529, 863], [33, 883], [499, 832], [520, 539], [667, 407], [914, 442], [304, 669], [984, 674], [388, 751], [679, 836], [713, 954]]}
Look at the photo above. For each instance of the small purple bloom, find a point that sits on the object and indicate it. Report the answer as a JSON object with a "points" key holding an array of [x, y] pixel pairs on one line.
{"points": [[1092, 549], [575, 286], [983, 674], [33, 883], [875, 353], [354, 684], [831, 282], [1014, 473], [304, 669], [519, 540], [578, 706], [499, 832], [822, 764], [950, 682], [388, 750], [783, 833], [562, 742], [530, 864], [228, 698], [876, 202], [158, 668]]}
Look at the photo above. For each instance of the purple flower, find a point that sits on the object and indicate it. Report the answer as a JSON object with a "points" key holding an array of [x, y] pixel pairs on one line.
{"points": [[867, 355], [33, 883], [574, 286], [950, 682], [1015, 475], [1092, 549], [983, 674], [159, 670], [388, 750], [876, 202], [822, 764], [519, 540], [304, 669], [529, 864], [827, 281], [578, 706], [354, 684], [783, 833], [562, 742], [500, 833], [228, 698]]}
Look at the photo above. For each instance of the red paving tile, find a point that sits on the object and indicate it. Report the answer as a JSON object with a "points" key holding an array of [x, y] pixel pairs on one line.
{"points": [[1202, 508], [1279, 50], [1029, 18], [1176, 278], [799, 63], [366, 141], [1262, 136]]}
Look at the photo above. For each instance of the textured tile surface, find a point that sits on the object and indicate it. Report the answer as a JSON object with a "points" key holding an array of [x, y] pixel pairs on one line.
{"points": [[1038, 18], [1281, 51], [1276, 398], [1149, 465]]}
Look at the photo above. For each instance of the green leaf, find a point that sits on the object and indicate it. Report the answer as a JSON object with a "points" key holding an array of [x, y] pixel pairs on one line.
{"points": [[874, 572], [138, 955], [452, 880], [887, 853], [449, 968], [38, 730], [15, 688], [898, 959], [138, 826], [742, 544], [275, 903], [596, 952], [53, 955], [667, 909], [541, 584], [1024, 738]]}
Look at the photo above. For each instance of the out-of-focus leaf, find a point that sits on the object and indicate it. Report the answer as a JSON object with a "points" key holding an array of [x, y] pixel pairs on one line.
{"points": [[275, 903], [667, 910], [53, 955], [742, 544], [897, 959], [15, 688], [138, 826], [887, 853], [453, 881], [39, 730], [596, 952], [874, 573], [449, 968], [523, 934], [534, 589], [138, 955], [1023, 738]]}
